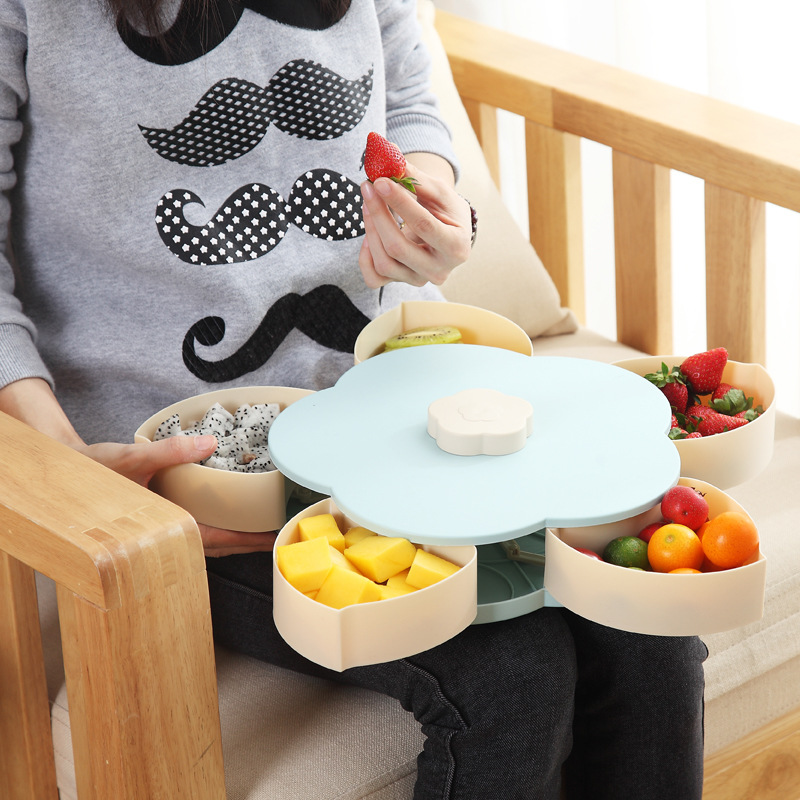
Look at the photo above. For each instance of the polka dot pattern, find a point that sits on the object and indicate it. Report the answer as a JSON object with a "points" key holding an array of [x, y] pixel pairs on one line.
{"points": [[312, 102], [229, 121], [326, 205], [255, 218], [249, 224], [303, 99]]}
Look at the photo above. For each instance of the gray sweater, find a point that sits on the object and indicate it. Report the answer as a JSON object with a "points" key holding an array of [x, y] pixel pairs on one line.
{"points": [[194, 222]]}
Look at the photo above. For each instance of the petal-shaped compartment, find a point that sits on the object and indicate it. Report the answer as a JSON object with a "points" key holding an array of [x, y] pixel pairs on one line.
{"points": [[597, 453]]}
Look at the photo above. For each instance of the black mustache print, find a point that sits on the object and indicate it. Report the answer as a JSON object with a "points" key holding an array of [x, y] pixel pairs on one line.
{"points": [[229, 120], [199, 28], [255, 218], [325, 314], [303, 99]]}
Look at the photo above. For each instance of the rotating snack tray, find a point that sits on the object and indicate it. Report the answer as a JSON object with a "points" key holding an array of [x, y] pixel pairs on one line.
{"points": [[575, 476]]}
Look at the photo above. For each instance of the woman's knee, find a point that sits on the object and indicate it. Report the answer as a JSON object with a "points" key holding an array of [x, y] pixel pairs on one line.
{"points": [[514, 669]]}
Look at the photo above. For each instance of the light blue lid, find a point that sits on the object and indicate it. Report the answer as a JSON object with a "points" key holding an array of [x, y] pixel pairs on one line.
{"points": [[598, 451]]}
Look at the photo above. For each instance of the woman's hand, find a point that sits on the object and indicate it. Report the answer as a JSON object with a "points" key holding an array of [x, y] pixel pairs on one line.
{"points": [[32, 401], [140, 462], [435, 234]]}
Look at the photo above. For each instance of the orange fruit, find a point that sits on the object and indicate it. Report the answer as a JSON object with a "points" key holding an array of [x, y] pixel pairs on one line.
{"points": [[730, 539], [708, 566], [674, 546], [684, 571]]}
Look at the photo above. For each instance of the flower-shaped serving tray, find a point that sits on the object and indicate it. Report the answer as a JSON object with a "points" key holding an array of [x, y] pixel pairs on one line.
{"points": [[596, 452]]}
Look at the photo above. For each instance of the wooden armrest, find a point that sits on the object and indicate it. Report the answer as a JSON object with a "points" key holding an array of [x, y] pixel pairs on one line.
{"points": [[135, 628]]}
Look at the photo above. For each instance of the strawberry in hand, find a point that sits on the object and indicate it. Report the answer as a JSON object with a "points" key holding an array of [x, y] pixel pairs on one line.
{"points": [[383, 159]]}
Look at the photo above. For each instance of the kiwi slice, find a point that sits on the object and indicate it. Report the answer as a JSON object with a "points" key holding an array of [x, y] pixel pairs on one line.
{"points": [[429, 334]]}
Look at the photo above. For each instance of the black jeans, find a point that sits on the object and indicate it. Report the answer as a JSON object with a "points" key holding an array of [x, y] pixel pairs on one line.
{"points": [[509, 708]]}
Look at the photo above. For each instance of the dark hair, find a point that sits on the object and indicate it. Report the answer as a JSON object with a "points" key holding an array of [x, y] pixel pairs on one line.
{"points": [[147, 13]]}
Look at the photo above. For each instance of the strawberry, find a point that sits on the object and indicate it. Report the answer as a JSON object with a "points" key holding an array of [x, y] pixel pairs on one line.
{"points": [[383, 159], [721, 390], [730, 400], [703, 371], [750, 413], [694, 415], [678, 395], [719, 423], [695, 435], [673, 386]]}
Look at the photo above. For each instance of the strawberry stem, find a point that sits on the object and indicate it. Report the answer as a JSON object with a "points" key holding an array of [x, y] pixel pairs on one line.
{"points": [[407, 183]]}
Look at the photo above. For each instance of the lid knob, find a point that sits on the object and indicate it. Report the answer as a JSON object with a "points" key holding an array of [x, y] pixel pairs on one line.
{"points": [[480, 422]]}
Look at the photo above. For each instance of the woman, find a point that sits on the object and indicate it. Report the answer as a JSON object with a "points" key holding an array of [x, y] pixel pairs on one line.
{"points": [[189, 207]]}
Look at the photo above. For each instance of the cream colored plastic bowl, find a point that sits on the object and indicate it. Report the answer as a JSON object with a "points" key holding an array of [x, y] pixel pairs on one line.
{"points": [[477, 326], [651, 602], [384, 630], [231, 500], [730, 458]]}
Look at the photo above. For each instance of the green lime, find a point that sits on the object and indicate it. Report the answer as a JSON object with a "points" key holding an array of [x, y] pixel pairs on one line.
{"points": [[627, 551]]}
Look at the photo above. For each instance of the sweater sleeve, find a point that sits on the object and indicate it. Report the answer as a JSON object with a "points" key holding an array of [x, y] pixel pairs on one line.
{"points": [[18, 355], [413, 121]]}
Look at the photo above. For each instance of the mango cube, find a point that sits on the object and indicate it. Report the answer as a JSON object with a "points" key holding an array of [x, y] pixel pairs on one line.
{"points": [[380, 557], [323, 525], [355, 535], [339, 560], [343, 588], [428, 569], [305, 564], [399, 583], [387, 592]]}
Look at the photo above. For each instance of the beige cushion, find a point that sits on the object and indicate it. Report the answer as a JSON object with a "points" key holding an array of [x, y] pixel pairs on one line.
{"points": [[502, 256], [285, 736]]}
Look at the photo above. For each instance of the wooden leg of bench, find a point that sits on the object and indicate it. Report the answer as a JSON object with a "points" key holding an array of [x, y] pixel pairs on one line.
{"points": [[762, 766], [27, 766]]}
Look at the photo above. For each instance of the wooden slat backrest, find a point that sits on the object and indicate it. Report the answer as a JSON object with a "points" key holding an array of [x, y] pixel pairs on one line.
{"points": [[746, 159]]}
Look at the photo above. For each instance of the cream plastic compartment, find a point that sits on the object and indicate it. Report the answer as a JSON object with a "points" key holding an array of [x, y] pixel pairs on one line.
{"points": [[232, 500], [384, 630], [650, 602], [477, 326], [725, 459]]}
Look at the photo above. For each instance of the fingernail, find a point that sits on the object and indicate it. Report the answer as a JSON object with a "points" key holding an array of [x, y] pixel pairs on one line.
{"points": [[367, 190], [203, 443], [382, 186]]}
